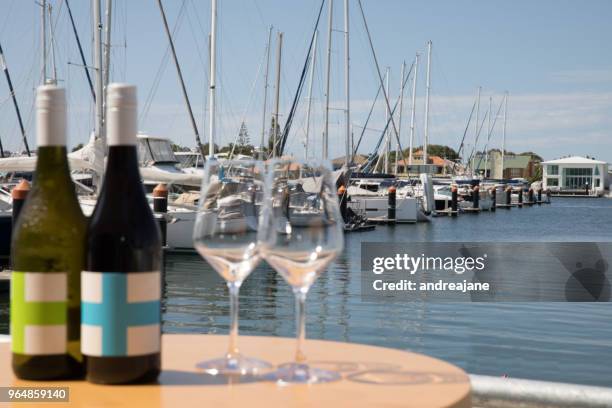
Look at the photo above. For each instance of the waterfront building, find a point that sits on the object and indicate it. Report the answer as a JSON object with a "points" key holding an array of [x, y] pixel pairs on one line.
{"points": [[575, 175], [515, 165], [436, 165]]}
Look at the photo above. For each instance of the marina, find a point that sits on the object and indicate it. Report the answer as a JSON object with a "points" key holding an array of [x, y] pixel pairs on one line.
{"points": [[304, 167]]}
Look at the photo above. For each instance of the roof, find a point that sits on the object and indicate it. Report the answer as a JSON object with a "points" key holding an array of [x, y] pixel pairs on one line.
{"points": [[574, 160], [359, 159], [438, 161]]}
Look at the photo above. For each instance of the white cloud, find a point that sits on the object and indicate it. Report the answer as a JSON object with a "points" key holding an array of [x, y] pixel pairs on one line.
{"points": [[583, 76], [552, 124]]}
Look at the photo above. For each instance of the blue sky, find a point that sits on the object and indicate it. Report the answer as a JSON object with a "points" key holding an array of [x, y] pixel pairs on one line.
{"points": [[552, 56]]}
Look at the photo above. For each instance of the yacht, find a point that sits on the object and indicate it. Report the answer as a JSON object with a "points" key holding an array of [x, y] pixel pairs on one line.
{"points": [[159, 164], [465, 186], [191, 162], [368, 196]]}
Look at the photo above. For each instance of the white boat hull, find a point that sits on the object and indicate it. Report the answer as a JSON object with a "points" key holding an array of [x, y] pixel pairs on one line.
{"points": [[375, 209], [179, 231]]}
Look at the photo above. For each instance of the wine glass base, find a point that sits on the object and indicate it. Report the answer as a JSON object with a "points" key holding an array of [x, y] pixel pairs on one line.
{"points": [[293, 373], [234, 366]]}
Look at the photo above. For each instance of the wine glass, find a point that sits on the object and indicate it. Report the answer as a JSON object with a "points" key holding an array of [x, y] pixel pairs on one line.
{"points": [[301, 233], [225, 234]]}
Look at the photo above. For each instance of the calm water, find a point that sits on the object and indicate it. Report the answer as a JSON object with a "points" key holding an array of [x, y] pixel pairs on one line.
{"points": [[555, 342]]}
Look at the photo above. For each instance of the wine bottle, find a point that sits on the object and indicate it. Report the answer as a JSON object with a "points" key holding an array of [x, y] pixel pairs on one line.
{"points": [[48, 254], [121, 283]]}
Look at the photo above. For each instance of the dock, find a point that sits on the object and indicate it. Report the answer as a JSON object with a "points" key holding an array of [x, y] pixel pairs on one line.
{"points": [[471, 210], [575, 193], [447, 211]]}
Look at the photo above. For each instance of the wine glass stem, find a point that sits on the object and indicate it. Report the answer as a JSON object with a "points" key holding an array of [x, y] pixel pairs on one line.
{"points": [[300, 321], [234, 289]]}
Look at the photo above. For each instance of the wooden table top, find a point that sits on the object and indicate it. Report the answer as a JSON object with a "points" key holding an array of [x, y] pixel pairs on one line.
{"points": [[371, 377]]}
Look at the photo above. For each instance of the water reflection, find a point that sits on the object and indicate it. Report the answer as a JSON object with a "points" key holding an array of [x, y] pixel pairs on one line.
{"points": [[556, 342], [559, 342]]}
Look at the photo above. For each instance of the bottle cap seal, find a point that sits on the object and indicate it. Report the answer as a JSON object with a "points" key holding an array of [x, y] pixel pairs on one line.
{"points": [[50, 116], [121, 114]]}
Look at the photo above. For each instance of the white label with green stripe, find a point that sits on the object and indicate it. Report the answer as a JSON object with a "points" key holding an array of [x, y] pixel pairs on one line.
{"points": [[39, 312]]}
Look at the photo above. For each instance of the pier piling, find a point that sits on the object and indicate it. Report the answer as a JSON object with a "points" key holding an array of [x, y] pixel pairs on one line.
{"points": [[342, 199], [454, 199], [475, 197], [391, 209], [160, 208], [540, 196], [19, 195], [530, 196], [520, 198], [508, 197], [493, 193]]}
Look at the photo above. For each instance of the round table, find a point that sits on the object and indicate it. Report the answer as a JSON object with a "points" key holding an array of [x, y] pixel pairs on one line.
{"points": [[371, 377]]}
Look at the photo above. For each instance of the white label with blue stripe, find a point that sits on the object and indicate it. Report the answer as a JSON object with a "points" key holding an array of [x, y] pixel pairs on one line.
{"points": [[120, 313]]}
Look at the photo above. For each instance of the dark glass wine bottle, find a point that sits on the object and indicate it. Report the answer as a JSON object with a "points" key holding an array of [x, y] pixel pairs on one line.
{"points": [[48, 251], [121, 312]]}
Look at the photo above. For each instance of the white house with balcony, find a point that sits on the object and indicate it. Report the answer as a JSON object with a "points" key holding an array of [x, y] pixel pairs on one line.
{"points": [[575, 175]]}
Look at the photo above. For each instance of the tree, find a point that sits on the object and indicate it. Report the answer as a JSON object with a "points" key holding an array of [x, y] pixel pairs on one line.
{"points": [[247, 150], [179, 148], [205, 148], [537, 176], [535, 156], [442, 151], [243, 135]]}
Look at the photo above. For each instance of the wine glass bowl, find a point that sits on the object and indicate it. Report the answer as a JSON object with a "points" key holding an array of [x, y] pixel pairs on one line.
{"points": [[225, 235], [301, 233]]}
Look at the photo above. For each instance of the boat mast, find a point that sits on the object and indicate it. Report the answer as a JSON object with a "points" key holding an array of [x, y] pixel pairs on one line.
{"points": [[387, 114], [52, 45], [275, 131], [97, 22], [213, 79], [265, 98], [43, 38], [503, 153], [347, 83], [327, 79], [15, 104], [401, 108], [486, 167], [182, 82], [107, 43], [78, 40], [413, 107], [477, 118], [427, 95], [311, 80]]}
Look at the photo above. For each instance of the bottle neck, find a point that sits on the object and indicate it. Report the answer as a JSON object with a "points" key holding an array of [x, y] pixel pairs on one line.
{"points": [[51, 164], [122, 166]]}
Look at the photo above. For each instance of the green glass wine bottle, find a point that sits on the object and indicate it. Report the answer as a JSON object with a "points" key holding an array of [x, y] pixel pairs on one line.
{"points": [[48, 252]]}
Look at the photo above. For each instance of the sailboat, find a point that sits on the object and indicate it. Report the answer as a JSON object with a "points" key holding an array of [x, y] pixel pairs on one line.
{"points": [[369, 191]]}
